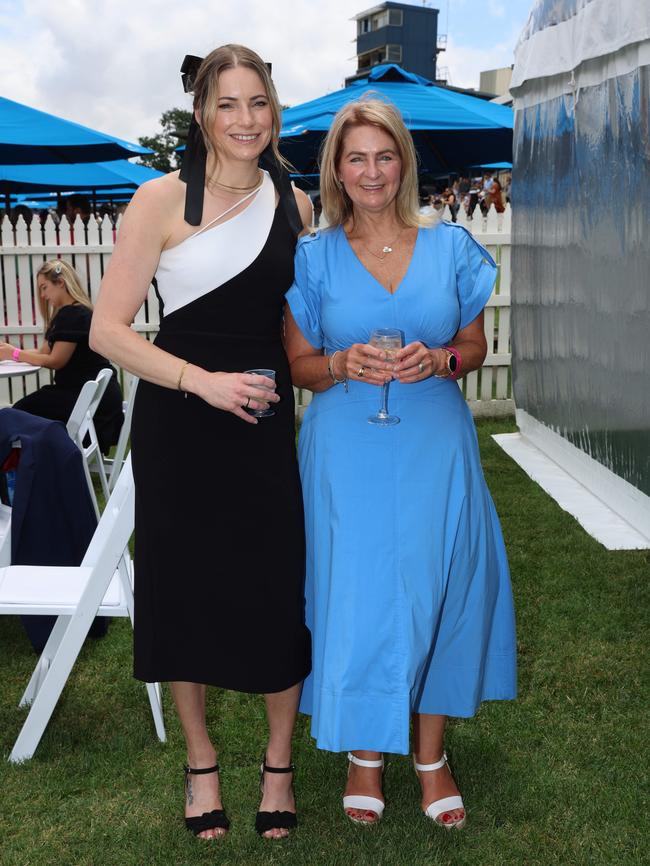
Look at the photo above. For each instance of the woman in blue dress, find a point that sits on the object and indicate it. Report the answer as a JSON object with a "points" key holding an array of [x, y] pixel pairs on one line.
{"points": [[408, 591]]}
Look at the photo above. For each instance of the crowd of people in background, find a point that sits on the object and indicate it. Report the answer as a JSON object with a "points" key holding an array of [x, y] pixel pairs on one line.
{"points": [[469, 193]]}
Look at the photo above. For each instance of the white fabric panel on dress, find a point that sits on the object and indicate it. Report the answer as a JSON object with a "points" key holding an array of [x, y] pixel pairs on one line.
{"points": [[209, 258]]}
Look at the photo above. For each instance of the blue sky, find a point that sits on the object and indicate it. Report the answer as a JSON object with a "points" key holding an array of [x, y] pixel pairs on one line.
{"points": [[479, 30], [113, 64]]}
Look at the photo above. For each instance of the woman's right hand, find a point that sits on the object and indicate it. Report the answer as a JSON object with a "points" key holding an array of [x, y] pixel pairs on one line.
{"points": [[231, 391], [364, 363]]}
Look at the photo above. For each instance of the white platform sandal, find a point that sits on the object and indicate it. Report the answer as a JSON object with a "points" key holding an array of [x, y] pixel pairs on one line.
{"points": [[438, 807], [359, 801]]}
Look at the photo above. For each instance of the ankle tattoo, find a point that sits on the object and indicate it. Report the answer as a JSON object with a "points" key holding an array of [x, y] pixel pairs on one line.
{"points": [[189, 793]]}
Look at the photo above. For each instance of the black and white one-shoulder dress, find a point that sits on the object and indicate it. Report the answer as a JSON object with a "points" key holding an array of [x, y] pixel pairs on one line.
{"points": [[219, 537]]}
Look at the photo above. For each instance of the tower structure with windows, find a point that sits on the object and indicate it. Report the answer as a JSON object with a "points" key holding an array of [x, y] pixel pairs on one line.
{"points": [[397, 33]]}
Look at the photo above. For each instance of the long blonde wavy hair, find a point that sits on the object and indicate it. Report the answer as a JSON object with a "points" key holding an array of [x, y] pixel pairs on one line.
{"points": [[58, 271]]}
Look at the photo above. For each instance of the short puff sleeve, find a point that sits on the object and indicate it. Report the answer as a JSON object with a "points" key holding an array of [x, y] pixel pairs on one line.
{"points": [[70, 325], [476, 274], [304, 296]]}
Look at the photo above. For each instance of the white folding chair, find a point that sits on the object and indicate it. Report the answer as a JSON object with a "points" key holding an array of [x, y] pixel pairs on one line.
{"points": [[81, 428], [114, 464], [5, 535], [75, 594]]}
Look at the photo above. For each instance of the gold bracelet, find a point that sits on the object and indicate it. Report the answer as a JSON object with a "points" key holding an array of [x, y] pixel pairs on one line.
{"points": [[180, 376]]}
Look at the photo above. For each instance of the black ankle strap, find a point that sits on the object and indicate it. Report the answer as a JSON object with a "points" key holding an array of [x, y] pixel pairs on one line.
{"points": [[199, 772], [290, 769]]}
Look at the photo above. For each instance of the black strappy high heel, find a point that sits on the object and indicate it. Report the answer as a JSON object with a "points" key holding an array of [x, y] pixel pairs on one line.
{"points": [[265, 821], [214, 820]]}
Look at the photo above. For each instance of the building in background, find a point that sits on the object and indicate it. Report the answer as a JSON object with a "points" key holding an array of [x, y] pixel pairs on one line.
{"points": [[496, 81], [398, 33]]}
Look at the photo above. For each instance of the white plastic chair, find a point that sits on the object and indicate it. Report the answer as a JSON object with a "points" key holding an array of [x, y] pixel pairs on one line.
{"points": [[75, 594], [81, 426], [114, 465], [5, 535]]}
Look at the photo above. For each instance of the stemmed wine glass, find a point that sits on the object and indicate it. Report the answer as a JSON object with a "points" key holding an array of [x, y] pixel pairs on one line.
{"points": [[389, 340]]}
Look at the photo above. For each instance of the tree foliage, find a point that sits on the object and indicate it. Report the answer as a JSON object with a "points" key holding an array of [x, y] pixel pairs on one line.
{"points": [[174, 124]]}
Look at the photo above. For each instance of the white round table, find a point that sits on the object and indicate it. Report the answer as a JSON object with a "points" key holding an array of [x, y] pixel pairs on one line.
{"points": [[15, 368]]}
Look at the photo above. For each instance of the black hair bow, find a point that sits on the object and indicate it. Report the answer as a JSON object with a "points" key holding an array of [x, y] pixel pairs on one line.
{"points": [[192, 171]]}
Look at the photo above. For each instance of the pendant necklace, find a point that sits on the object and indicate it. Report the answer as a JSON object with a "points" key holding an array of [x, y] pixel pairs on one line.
{"points": [[386, 249]]}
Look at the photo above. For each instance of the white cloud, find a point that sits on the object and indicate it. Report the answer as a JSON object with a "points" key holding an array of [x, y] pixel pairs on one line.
{"points": [[465, 64], [114, 64], [496, 9]]}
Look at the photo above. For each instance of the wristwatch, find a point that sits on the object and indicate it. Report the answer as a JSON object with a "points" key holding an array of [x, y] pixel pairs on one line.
{"points": [[452, 362]]}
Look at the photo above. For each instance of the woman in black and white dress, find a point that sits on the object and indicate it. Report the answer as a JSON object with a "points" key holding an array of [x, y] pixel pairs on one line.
{"points": [[219, 523]]}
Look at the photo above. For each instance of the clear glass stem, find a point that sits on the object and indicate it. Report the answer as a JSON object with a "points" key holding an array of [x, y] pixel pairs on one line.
{"points": [[383, 406]]}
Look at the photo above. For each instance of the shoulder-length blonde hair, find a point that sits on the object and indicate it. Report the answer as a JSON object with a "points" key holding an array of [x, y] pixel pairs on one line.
{"points": [[206, 90], [369, 111], [58, 271]]}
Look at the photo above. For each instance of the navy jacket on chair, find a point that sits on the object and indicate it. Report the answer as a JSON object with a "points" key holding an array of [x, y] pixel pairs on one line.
{"points": [[52, 519]]}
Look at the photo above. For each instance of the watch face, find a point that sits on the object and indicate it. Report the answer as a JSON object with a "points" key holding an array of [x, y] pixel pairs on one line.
{"points": [[452, 363]]}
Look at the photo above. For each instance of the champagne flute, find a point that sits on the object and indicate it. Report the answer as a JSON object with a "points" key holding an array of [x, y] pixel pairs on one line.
{"points": [[389, 340]]}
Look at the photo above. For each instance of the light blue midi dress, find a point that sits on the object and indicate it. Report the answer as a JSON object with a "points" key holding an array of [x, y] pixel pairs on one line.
{"points": [[408, 594]]}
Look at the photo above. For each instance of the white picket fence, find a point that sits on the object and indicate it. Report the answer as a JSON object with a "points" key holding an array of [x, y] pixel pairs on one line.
{"points": [[87, 249]]}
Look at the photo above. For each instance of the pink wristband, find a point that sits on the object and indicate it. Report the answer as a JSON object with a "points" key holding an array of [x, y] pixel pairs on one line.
{"points": [[459, 361], [15, 354]]}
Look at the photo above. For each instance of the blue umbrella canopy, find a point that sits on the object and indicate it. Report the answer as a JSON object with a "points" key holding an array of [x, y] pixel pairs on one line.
{"points": [[83, 176], [45, 201], [496, 165], [451, 130], [29, 136]]}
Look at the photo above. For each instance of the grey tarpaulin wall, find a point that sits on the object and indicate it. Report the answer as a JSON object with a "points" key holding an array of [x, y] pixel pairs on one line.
{"points": [[581, 228]]}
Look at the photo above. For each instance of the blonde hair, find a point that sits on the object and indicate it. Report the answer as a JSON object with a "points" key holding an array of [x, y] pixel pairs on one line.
{"points": [[58, 271], [369, 111], [206, 90]]}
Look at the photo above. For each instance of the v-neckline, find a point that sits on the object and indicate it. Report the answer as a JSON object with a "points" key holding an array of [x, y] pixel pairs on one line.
{"points": [[372, 276]]}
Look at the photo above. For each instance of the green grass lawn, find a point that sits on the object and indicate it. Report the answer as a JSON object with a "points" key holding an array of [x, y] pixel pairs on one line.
{"points": [[559, 776]]}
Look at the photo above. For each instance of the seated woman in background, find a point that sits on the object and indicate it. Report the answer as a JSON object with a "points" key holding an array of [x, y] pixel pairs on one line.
{"points": [[67, 313]]}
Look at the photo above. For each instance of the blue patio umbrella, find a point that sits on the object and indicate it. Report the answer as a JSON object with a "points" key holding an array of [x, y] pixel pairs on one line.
{"points": [[85, 176], [502, 166], [29, 136], [451, 130], [47, 200]]}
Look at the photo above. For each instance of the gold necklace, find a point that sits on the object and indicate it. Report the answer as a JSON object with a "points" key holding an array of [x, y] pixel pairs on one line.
{"points": [[258, 182], [386, 249]]}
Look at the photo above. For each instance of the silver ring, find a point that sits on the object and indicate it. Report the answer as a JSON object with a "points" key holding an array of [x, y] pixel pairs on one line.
{"points": [[362, 372], [421, 366], [248, 402]]}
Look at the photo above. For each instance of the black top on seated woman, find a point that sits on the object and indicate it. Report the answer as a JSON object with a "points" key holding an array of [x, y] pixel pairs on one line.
{"points": [[67, 314]]}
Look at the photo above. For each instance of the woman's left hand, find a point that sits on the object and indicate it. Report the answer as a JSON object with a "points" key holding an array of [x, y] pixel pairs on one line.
{"points": [[416, 362], [6, 351]]}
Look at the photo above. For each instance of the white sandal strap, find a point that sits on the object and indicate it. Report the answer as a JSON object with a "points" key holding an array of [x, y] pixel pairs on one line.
{"points": [[426, 768], [361, 763], [436, 808], [358, 801]]}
